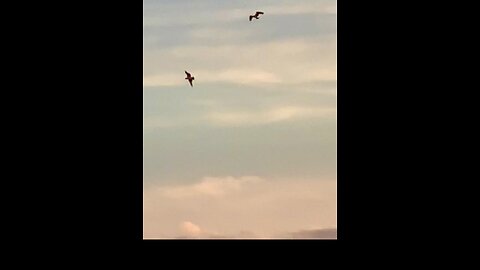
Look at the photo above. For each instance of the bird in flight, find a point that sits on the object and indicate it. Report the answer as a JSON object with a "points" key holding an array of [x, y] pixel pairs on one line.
{"points": [[189, 78], [256, 15]]}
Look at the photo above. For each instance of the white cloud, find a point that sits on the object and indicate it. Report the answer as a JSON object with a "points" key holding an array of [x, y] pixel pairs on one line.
{"points": [[291, 61], [210, 186], [189, 229], [240, 207], [277, 114]]}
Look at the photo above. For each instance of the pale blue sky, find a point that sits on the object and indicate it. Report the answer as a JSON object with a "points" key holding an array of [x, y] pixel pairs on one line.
{"points": [[263, 105]]}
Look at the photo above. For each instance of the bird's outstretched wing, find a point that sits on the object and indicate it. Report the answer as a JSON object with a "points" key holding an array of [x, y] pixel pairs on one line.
{"points": [[250, 18], [191, 82], [258, 12], [188, 74]]}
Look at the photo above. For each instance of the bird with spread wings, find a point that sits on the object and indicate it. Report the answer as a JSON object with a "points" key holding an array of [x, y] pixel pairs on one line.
{"points": [[256, 15], [189, 78]]}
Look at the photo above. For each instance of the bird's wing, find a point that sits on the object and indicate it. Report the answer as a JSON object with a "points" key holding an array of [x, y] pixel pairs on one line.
{"points": [[250, 18], [188, 74], [258, 12], [191, 82]]}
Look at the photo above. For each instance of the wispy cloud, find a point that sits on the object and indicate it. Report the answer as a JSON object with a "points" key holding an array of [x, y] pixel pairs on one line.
{"points": [[210, 186], [220, 33], [317, 7], [279, 9], [216, 116], [163, 79], [245, 64], [242, 76], [278, 114], [203, 14]]}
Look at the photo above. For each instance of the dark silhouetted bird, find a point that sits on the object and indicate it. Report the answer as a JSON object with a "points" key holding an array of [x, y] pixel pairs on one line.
{"points": [[189, 78], [256, 15]]}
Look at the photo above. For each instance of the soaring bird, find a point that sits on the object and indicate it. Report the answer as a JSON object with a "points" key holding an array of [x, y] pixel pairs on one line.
{"points": [[256, 15], [189, 78]]}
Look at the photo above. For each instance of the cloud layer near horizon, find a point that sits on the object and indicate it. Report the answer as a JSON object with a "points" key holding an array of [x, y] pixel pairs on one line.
{"points": [[238, 207], [189, 230]]}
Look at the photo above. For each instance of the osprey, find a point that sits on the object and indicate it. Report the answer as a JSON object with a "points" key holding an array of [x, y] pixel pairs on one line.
{"points": [[189, 78], [256, 15]]}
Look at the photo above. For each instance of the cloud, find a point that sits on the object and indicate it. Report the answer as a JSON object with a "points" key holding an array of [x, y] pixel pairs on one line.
{"points": [[290, 61], [164, 79], [240, 207], [290, 50], [314, 234], [220, 34], [205, 13], [221, 117], [246, 76], [330, 233], [243, 76], [241, 14], [303, 8], [189, 229], [277, 114], [210, 186]]}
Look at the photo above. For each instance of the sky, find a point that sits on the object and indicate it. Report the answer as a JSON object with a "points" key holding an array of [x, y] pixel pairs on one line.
{"points": [[250, 151]]}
